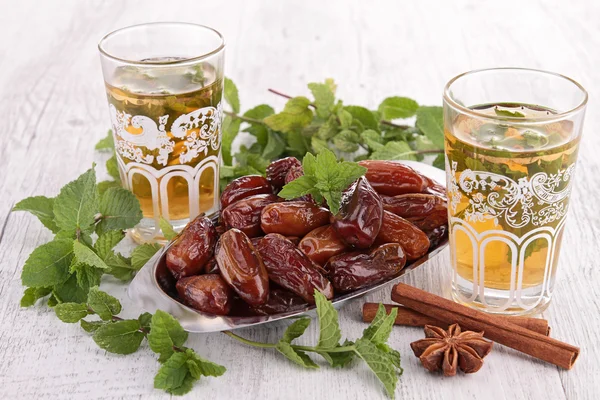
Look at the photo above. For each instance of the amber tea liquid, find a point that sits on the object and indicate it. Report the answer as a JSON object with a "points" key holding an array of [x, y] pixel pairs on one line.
{"points": [[508, 194], [166, 125]]}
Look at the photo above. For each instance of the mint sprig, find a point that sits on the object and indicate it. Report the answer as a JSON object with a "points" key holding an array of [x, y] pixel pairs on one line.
{"points": [[324, 178], [325, 122], [372, 347], [66, 272]]}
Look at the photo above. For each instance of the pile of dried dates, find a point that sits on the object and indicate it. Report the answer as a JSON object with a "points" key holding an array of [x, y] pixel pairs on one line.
{"points": [[265, 255]]}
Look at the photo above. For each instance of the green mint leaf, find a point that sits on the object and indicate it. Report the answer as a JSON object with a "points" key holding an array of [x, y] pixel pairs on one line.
{"points": [[261, 111], [339, 359], [105, 185], [69, 292], [365, 116], [329, 328], [165, 332], [145, 320], [324, 98], [345, 118], [297, 356], [393, 356], [295, 115], [87, 276], [440, 161], [119, 267], [103, 304], [333, 198], [297, 188], [394, 151], [106, 143], [507, 113], [106, 243], [167, 229], [71, 312], [275, 146], [309, 164], [430, 120], [120, 337], [379, 362], [297, 144], [77, 204], [42, 207], [84, 254], [372, 139], [318, 145], [230, 92], [112, 167], [328, 129], [174, 375], [381, 327], [346, 141], [91, 326], [31, 295], [142, 254], [230, 129], [120, 209], [193, 369], [48, 264], [52, 301], [206, 368], [398, 107], [253, 161], [296, 329]]}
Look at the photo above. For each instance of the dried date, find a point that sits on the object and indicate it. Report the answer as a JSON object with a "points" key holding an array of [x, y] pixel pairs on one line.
{"points": [[244, 187], [242, 267], [360, 216], [412, 204], [280, 301], [437, 235], [356, 270], [293, 218], [396, 229], [278, 170], [392, 178], [295, 172], [321, 244], [206, 293], [245, 214], [192, 248], [291, 269]]}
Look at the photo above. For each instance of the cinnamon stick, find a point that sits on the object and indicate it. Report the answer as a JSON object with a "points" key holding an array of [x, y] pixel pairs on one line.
{"points": [[497, 329], [408, 317]]}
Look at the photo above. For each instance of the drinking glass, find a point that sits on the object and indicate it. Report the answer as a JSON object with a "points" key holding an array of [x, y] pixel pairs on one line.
{"points": [[164, 83], [511, 142]]}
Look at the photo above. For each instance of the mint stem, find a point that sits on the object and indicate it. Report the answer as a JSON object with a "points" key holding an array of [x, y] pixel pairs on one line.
{"points": [[342, 349], [250, 342], [246, 119]]}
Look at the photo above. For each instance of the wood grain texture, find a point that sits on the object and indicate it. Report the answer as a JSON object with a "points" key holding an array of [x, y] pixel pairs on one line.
{"points": [[53, 108]]}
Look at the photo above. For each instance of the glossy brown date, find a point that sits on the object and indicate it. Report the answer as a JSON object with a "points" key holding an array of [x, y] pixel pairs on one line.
{"points": [[356, 270], [437, 217], [206, 293], [412, 204], [435, 188], [192, 248], [245, 214], [437, 235], [291, 269], [396, 229], [244, 187], [278, 170], [280, 301], [321, 244], [293, 218], [360, 216], [392, 178], [295, 172], [242, 267]]}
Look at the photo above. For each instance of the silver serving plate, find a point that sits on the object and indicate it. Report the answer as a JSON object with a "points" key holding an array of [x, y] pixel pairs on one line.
{"points": [[148, 294]]}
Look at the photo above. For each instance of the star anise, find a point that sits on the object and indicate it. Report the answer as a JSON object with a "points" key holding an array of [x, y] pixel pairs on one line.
{"points": [[444, 350]]}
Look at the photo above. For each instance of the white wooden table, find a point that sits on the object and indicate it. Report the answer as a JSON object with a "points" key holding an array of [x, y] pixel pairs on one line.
{"points": [[53, 109]]}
